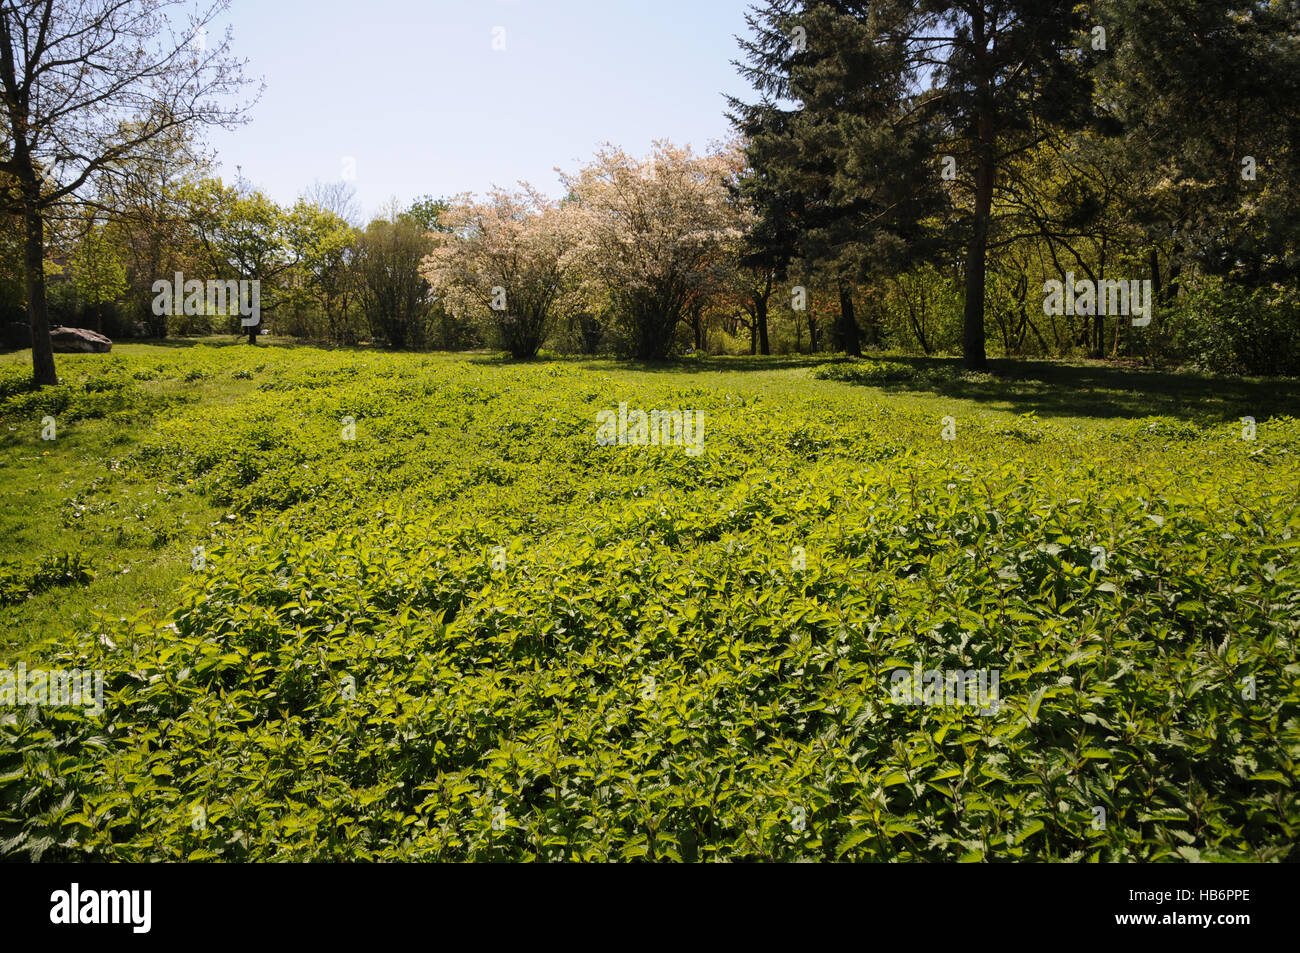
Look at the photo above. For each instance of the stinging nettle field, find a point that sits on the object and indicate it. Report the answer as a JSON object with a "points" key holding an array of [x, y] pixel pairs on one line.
{"points": [[469, 632]]}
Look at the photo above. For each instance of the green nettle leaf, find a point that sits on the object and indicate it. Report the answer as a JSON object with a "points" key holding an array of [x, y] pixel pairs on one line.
{"points": [[812, 642], [852, 840], [1269, 776], [1030, 829], [1035, 701]]}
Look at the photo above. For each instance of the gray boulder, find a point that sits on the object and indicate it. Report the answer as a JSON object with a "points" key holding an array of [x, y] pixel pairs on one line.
{"points": [[79, 341]]}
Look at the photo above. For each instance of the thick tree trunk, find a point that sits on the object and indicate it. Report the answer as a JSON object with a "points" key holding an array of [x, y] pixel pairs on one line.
{"points": [[43, 371], [848, 323], [972, 338], [972, 341]]}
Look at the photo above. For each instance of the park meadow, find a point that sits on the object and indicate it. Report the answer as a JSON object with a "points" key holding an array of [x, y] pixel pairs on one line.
{"points": [[772, 431]]}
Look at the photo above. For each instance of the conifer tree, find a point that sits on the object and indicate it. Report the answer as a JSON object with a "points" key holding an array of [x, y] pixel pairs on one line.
{"points": [[861, 103]]}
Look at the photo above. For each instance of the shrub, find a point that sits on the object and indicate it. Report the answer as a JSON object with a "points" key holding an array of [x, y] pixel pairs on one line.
{"points": [[1228, 329], [865, 372]]}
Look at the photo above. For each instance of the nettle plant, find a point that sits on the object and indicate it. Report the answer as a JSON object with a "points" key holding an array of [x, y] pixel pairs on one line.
{"points": [[549, 649]]}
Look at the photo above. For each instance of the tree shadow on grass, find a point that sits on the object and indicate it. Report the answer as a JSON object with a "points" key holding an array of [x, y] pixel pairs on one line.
{"points": [[1102, 390], [270, 342], [732, 364], [1094, 389], [710, 364], [181, 342]]}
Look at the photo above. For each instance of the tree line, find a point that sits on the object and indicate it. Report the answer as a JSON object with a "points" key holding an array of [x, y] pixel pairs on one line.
{"points": [[911, 176], [966, 154]]}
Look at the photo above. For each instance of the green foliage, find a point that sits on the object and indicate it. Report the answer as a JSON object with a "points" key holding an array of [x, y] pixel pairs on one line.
{"points": [[14, 379], [245, 236], [18, 582], [865, 372], [426, 211], [1236, 330], [99, 275], [651, 673], [1021, 142], [108, 390], [396, 296]]}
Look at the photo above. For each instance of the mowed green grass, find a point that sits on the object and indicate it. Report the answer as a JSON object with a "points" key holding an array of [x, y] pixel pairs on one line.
{"points": [[470, 632]]}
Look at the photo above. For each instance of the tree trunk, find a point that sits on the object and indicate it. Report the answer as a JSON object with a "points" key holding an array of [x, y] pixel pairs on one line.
{"points": [[848, 324], [43, 371], [1153, 262], [972, 341], [1175, 273], [760, 318], [972, 338], [252, 333]]}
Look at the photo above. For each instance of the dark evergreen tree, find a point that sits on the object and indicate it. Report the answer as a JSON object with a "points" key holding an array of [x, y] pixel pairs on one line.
{"points": [[1204, 98], [861, 103]]}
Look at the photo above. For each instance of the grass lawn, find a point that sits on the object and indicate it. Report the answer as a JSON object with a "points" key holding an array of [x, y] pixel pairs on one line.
{"points": [[358, 605]]}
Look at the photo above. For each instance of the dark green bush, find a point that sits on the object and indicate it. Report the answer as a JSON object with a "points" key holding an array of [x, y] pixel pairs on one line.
{"points": [[1232, 330]]}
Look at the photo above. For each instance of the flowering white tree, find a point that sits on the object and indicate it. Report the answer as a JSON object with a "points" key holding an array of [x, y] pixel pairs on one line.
{"points": [[504, 264], [650, 232]]}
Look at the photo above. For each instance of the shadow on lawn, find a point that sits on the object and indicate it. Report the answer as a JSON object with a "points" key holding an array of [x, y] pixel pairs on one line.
{"points": [[269, 342], [682, 365], [1098, 389], [1048, 388]]}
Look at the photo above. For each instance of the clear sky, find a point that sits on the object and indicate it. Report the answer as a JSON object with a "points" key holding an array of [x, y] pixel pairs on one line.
{"points": [[416, 95]]}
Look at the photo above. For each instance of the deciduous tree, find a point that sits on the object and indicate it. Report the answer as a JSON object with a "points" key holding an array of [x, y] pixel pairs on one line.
{"points": [[88, 86], [504, 263], [650, 230]]}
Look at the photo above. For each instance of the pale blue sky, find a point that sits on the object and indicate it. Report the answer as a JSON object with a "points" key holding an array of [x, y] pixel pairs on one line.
{"points": [[416, 94]]}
